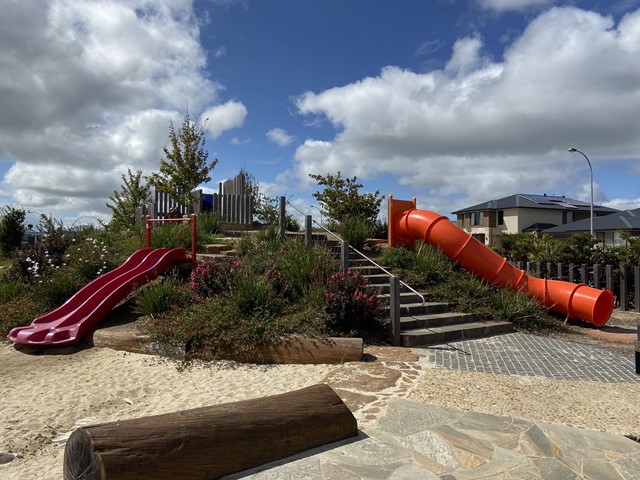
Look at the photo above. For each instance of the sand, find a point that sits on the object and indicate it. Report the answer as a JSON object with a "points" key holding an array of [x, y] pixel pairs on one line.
{"points": [[43, 397]]}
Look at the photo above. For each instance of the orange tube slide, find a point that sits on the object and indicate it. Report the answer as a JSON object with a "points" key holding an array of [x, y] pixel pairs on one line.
{"points": [[407, 224]]}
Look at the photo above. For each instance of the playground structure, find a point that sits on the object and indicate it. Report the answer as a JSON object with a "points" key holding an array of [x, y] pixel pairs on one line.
{"points": [[68, 323], [407, 224]]}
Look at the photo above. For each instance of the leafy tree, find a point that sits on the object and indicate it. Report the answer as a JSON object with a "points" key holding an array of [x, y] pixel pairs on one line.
{"points": [[185, 165], [341, 199], [133, 193], [11, 229]]}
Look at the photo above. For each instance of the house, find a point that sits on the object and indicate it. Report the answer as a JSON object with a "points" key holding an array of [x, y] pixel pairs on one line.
{"points": [[521, 213], [607, 229]]}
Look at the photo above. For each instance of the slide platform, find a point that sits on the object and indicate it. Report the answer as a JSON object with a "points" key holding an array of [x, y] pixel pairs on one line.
{"points": [[68, 323], [408, 224]]}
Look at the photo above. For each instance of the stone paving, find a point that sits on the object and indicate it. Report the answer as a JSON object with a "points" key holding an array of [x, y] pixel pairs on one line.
{"points": [[530, 355], [404, 440]]}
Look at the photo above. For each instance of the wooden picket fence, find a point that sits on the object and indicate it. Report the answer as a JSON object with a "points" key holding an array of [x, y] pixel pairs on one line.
{"points": [[623, 281], [231, 203]]}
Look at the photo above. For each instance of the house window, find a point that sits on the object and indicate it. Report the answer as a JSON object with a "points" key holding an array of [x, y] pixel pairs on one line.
{"points": [[477, 218], [500, 217]]}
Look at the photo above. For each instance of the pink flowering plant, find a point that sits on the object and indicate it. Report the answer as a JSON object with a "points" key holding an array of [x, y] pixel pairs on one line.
{"points": [[350, 304], [213, 277]]}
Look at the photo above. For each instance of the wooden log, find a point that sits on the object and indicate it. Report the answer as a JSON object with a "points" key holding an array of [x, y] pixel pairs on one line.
{"points": [[209, 442], [302, 350]]}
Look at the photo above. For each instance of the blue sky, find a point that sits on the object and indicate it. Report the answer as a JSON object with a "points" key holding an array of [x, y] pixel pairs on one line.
{"points": [[453, 102]]}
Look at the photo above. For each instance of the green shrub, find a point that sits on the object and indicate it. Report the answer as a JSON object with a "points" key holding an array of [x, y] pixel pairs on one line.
{"points": [[400, 258], [59, 287], [159, 297], [354, 230], [253, 295], [10, 289], [524, 312], [21, 310]]}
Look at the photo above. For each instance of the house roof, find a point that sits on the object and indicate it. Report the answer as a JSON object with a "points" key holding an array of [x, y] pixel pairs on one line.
{"points": [[626, 220], [522, 200]]}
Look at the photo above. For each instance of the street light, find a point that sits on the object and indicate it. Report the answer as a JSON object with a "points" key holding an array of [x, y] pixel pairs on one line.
{"points": [[574, 150]]}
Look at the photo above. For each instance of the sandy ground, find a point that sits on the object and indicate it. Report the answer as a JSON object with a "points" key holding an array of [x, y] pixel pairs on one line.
{"points": [[43, 397]]}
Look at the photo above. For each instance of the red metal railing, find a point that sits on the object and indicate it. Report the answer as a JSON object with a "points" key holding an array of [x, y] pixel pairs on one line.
{"points": [[188, 221]]}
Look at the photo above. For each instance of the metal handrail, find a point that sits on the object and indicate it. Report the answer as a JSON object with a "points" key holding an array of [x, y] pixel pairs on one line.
{"points": [[409, 287]]}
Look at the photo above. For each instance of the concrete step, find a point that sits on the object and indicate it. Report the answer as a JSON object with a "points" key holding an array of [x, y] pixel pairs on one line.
{"points": [[217, 248], [448, 333], [435, 319], [417, 309], [378, 279], [405, 297]]}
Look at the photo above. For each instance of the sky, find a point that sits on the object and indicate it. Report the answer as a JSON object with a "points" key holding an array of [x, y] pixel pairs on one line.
{"points": [[452, 102]]}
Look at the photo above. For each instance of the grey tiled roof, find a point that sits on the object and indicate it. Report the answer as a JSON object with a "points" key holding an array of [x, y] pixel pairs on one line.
{"points": [[522, 200], [626, 220]]}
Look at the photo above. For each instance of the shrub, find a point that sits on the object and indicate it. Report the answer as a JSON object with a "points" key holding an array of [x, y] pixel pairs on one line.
{"points": [[213, 277], [398, 257], [159, 297], [350, 305], [10, 289], [11, 229], [253, 295], [354, 230], [524, 312]]}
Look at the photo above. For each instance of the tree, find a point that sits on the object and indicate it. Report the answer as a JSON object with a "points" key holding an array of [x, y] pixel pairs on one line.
{"points": [[133, 194], [11, 229], [341, 199], [185, 165]]}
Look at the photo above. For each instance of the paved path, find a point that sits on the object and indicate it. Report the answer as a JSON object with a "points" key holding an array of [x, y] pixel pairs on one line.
{"points": [[530, 355], [415, 441]]}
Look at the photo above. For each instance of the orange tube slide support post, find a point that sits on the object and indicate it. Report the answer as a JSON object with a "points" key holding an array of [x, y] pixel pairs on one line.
{"points": [[408, 224]]}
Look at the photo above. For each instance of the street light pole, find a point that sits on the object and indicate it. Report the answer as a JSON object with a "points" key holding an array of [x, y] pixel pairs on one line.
{"points": [[573, 150]]}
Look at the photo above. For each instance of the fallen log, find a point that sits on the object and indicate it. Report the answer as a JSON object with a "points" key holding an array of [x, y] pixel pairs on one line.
{"points": [[209, 442], [302, 350]]}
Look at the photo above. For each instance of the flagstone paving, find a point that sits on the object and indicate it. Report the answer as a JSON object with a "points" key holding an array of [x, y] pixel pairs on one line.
{"points": [[405, 440]]}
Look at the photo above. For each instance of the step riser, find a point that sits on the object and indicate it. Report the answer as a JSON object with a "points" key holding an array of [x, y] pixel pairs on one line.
{"points": [[440, 321], [443, 337], [416, 310]]}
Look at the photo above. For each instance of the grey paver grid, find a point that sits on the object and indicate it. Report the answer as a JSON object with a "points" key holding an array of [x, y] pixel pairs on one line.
{"points": [[523, 354]]}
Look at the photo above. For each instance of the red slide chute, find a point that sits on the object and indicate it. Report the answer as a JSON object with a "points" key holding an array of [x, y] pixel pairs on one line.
{"points": [[68, 323]]}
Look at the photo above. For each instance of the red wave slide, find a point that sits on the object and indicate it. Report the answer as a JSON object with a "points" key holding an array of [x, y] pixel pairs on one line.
{"points": [[407, 224], [68, 323]]}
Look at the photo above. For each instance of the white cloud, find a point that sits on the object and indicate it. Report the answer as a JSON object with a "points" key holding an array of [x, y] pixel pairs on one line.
{"points": [[88, 89], [478, 129], [280, 137], [505, 5], [224, 117]]}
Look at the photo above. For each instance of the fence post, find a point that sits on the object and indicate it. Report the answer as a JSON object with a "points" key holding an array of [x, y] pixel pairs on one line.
{"points": [[528, 268], [549, 269], [560, 271], [624, 276], [148, 231], [281, 220], [394, 309], [344, 255], [538, 269], [609, 278], [308, 237], [636, 291], [572, 273], [638, 351], [596, 275], [583, 274]]}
